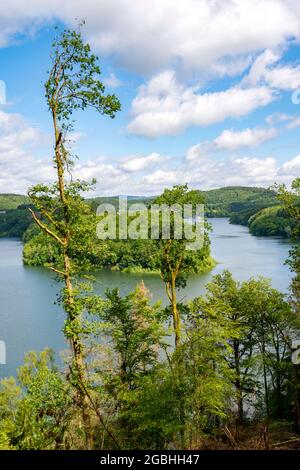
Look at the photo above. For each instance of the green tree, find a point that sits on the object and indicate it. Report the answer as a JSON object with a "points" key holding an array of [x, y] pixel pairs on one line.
{"points": [[36, 410], [263, 324], [291, 203], [73, 84], [186, 398], [131, 330], [175, 261]]}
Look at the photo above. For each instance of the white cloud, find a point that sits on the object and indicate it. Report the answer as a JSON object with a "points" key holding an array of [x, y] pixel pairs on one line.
{"points": [[2, 92], [19, 169], [161, 178], [74, 137], [203, 173], [281, 77], [142, 174], [109, 178], [230, 140], [233, 140], [112, 81], [291, 167], [293, 123], [277, 117], [137, 175], [196, 34], [138, 163], [166, 107]]}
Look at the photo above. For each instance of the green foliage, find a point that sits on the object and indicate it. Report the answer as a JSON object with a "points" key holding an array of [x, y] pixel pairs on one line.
{"points": [[45, 248], [180, 401], [174, 256], [14, 222], [125, 255], [271, 221], [73, 82], [133, 328], [176, 260], [234, 201], [291, 203], [131, 338], [114, 201], [35, 410], [261, 327], [235, 348], [262, 214], [12, 201], [238, 203], [40, 251], [60, 212]]}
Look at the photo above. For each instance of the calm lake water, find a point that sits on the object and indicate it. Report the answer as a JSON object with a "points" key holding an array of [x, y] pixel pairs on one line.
{"points": [[29, 319]]}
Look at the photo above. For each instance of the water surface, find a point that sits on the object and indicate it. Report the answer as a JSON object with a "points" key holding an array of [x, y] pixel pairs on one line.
{"points": [[29, 319]]}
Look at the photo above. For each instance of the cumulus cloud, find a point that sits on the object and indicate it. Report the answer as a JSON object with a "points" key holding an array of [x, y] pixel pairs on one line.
{"points": [[18, 166], [138, 163], [136, 175], [166, 107], [112, 81], [196, 34], [207, 173], [265, 69], [197, 38], [202, 172], [161, 178], [291, 167], [233, 140], [293, 122]]}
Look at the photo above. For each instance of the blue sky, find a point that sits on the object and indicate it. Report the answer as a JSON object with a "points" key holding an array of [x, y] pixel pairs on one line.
{"points": [[206, 91]]}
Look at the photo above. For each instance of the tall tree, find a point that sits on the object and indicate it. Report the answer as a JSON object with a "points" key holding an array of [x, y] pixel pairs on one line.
{"points": [[291, 202], [260, 335], [175, 260], [73, 84]]}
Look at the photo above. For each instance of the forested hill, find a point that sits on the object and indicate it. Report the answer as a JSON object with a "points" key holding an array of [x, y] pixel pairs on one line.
{"points": [[218, 202], [223, 202], [256, 207], [12, 201]]}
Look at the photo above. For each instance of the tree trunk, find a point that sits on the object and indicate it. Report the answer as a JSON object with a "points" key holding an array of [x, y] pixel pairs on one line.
{"points": [[237, 382], [265, 375], [76, 344], [175, 313], [77, 351]]}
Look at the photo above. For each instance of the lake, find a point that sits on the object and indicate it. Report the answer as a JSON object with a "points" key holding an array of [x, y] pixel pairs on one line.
{"points": [[29, 319]]}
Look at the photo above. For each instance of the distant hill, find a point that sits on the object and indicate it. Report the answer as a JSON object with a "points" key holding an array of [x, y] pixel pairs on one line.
{"points": [[224, 202], [114, 200], [218, 202], [12, 201], [241, 203]]}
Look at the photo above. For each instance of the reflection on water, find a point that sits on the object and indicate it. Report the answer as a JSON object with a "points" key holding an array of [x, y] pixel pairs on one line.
{"points": [[30, 320]]}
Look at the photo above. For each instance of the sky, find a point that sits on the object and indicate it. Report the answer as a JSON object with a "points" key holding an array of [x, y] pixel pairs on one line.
{"points": [[210, 93]]}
